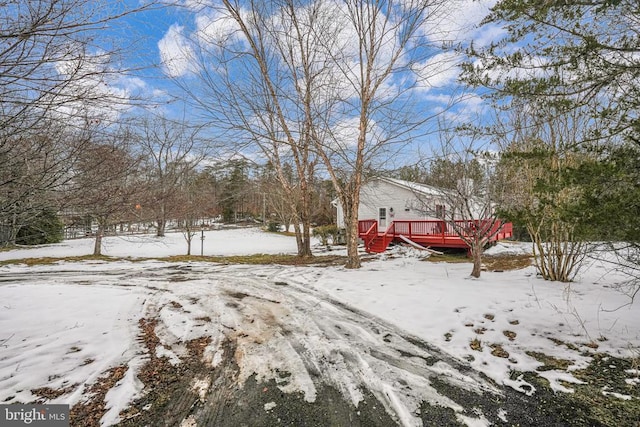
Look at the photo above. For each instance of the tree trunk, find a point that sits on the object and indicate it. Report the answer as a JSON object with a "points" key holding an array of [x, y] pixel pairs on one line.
{"points": [[353, 259], [97, 247], [161, 227], [351, 228], [305, 249], [13, 229], [299, 242], [476, 254], [161, 220], [306, 239]]}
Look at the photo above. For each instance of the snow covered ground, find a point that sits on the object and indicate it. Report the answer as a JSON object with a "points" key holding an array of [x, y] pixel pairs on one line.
{"points": [[63, 325], [234, 241]]}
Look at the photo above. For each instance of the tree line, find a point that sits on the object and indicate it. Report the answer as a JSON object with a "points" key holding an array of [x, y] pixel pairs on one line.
{"points": [[321, 96]]}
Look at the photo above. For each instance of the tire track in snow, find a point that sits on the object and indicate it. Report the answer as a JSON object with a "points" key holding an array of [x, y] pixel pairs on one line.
{"points": [[300, 340]]}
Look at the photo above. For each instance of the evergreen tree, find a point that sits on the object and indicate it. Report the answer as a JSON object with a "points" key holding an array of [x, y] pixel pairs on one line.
{"points": [[581, 60], [610, 199], [44, 228], [574, 54], [232, 196]]}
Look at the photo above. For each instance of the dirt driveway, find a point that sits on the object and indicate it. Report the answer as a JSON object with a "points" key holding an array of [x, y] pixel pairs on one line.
{"points": [[250, 345]]}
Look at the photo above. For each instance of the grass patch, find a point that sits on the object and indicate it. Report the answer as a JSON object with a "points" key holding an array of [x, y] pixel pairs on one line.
{"points": [[498, 351], [476, 344], [53, 260], [506, 262], [510, 335], [608, 371], [282, 233], [549, 362], [260, 259], [453, 258], [496, 263], [590, 405], [239, 259], [566, 344]]}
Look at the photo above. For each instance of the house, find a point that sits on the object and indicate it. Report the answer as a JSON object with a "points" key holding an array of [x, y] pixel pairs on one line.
{"points": [[396, 210], [388, 199]]}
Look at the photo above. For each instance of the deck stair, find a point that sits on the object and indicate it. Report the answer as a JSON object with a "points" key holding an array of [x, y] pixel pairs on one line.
{"points": [[379, 244], [436, 233]]}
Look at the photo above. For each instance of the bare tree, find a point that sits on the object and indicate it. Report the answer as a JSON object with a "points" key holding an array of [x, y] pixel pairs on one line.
{"points": [[264, 106], [32, 169], [540, 145], [467, 193], [194, 205], [171, 152], [377, 41], [54, 88], [106, 183], [277, 207], [313, 82]]}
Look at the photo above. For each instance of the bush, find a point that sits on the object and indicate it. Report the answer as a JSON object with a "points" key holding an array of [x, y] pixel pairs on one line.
{"points": [[44, 228], [324, 232], [273, 226]]}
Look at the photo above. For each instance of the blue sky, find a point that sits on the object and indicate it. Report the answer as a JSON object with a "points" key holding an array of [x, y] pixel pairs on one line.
{"points": [[160, 38]]}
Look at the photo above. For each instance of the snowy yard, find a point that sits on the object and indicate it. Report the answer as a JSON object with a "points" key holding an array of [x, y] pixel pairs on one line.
{"points": [[62, 326]]}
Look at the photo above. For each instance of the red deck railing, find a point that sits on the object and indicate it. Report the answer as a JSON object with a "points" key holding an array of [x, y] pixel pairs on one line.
{"points": [[432, 232]]}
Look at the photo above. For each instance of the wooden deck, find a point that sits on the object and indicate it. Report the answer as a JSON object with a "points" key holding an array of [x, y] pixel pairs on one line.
{"points": [[431, 233]]}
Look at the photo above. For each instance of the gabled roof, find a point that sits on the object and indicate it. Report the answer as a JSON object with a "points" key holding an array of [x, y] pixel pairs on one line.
{"points": [[414, 187]]}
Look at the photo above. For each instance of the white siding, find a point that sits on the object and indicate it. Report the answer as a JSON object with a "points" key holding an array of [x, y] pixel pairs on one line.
{"points": [[400, 202]]}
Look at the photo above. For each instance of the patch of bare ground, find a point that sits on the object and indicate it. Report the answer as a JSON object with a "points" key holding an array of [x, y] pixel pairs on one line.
{"points": [[196, 393], [506, 262], [604, 398], [498, 351], [89, 412], [257, 259], [264, 259], [48, 393], [496, 263]]}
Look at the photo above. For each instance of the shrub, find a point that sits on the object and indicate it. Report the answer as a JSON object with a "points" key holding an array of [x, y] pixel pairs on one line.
{"points": [[273, 226], [323, 232], [44, 228]]}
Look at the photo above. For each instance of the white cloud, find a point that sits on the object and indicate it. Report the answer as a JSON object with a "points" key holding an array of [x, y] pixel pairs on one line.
{"points": [[93, 90], [345, 135], [473, 105], [485, 35], [531, 67], [438, 71], [197, 5], [176, 52], [439, 99], [217, 27], [333, 34], [457, 21]]}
